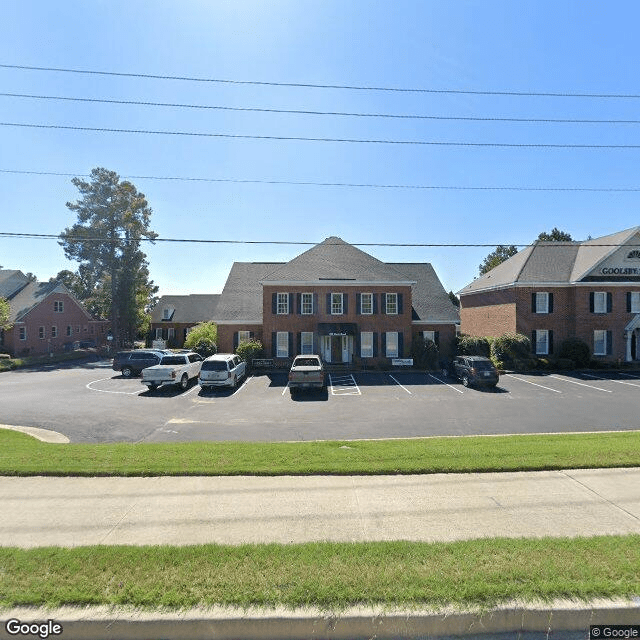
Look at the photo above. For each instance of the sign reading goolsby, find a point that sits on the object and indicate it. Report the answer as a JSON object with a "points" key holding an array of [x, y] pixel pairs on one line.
{"points": [[620, 271]]}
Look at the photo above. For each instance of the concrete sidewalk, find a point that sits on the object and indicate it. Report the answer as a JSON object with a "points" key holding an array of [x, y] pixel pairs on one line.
{"points": [[42, 511]]}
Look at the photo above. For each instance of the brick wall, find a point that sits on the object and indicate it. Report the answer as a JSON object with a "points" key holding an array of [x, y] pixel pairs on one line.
{"points": [[226, 335], [491, 313]]}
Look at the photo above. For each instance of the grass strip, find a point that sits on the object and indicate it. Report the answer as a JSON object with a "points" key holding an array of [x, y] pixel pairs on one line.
{"points": [[22, 455], [331, 576]]}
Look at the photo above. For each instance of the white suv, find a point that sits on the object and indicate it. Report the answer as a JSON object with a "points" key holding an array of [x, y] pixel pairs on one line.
{"points": [[222, 370]]}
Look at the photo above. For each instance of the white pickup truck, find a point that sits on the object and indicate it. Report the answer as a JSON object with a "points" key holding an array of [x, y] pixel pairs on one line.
{"points": [[177, 368]]}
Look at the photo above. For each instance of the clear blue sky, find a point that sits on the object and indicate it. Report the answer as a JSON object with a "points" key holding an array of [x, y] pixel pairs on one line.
{"points": [[542, 46]]}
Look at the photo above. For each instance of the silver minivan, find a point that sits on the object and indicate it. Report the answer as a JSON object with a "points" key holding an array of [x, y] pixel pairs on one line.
{"points": [[222, 370]]}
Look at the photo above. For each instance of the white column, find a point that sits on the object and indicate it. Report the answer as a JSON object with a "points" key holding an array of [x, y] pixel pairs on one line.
{"points": [[628, 335]]}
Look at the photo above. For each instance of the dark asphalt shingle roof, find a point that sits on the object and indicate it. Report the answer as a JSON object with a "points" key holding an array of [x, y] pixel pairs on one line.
{"points": [[30, 296], [11, 281], [187, 309]]}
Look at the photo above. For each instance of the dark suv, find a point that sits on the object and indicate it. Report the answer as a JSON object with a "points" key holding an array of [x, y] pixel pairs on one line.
{"points": [[131, 363], [474, 370]]}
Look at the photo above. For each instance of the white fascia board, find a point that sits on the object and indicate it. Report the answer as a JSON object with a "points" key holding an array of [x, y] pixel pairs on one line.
{"points": [[556, 285], [416, 322], [251, 322], [343, 283]]}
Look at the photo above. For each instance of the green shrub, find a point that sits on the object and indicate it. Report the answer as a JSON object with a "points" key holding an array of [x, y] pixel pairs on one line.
{"points": [[565, 363], [425, 353], [203, 339], [511, 348], [473, 346], [250, 349], [576, 350]]}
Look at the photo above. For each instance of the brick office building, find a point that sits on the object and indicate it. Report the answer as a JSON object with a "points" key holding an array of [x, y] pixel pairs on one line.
{"points": [[45, 318], [551, 291], [337, 301]]}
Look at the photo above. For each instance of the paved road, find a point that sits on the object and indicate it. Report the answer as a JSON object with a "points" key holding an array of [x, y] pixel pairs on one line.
{"points": [[92, 403], [231, 510]]}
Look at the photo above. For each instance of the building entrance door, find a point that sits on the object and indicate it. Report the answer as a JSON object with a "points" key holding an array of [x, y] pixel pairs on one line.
{"points": [[336, 348]]}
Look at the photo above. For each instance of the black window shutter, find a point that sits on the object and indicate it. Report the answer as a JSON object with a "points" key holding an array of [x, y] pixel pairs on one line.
{"points": [[290, 345], [550, 342], [251, 334], [290, 302], [551, 303], [357, 347], [400, 344], [609, 342], [358, 303], [436, 336], [383, 303], [299, 345], [235, 340], [274, 344], [329, 303], [383, 340], [345, 303], [375, 344], [315, 303], [299, 297], [375, 303], [628, 301], [399, 303], [609, 302], [591, 306], [534, 308], [533, 342], [274, 303]]}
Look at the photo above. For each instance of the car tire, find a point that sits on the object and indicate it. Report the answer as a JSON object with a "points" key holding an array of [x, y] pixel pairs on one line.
{"points": [[465, 381], [184, 381], [127, 372], [234, 384]]}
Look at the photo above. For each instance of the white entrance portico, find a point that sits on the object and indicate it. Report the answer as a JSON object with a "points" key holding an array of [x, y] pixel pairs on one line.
{"points": [[631, 337]]}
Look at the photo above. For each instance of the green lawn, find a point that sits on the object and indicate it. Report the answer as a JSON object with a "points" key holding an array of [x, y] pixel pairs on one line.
{"points": [[331, 576], [23, 455]]}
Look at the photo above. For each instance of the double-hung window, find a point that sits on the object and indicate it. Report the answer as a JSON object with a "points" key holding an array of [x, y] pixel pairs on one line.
{"points": [[41, 333], [282, 344], [542, 302], [22, 333], [336, 304], [542, 342], [599, 302], [599, 342], [58, 306], [69, 330], [54, 331], [366, 344], [244, 336], [366, 304], [634, 301], [306, 342], [392, 344], [283, 303], [307, 304], [429, 335], [391, 304]]}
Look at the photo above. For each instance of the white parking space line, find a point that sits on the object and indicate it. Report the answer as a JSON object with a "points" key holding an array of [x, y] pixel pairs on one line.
{"points": [[286, 386], [344, 386], [628, 375], [535, 384], [126, 393], [609, 380], [590, 386], [407, 390], [448, 385], [243, 385]]}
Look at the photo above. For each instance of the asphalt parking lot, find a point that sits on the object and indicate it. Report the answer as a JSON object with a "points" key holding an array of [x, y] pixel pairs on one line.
{"points": [[92, 403]]}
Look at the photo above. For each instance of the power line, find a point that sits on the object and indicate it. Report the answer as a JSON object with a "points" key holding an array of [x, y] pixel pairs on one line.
{"points": [[518, 145], [335, 184], [308, 85], [178, 105], [51, 236]]}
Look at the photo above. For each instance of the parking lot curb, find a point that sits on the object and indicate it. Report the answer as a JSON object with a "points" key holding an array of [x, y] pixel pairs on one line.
{"points": [[106, 623], [44, 435]]}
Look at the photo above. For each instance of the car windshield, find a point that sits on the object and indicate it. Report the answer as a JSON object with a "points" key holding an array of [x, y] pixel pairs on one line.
{"points": [[306, 362], [173, 360], [214, 365]]}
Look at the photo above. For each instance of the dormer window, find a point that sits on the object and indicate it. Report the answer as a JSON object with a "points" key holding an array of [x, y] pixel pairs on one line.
{"points": [[167, 313]]}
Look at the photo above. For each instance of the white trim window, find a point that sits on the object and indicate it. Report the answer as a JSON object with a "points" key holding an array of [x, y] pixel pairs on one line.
{"points": [[69, 330], [366, 304], [283, 304], [429, 335], [22, 333], [58, 306], [392, 344], [244, 336], [54, 331], [306, 304], [391, 304], [635, 302], [366, 344], [282, 344], [599, 342], [542, 302], [42, 334], [336, 304], [306, 343], [171, 333], [542, 342], [599, 302], [158, 333]]}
